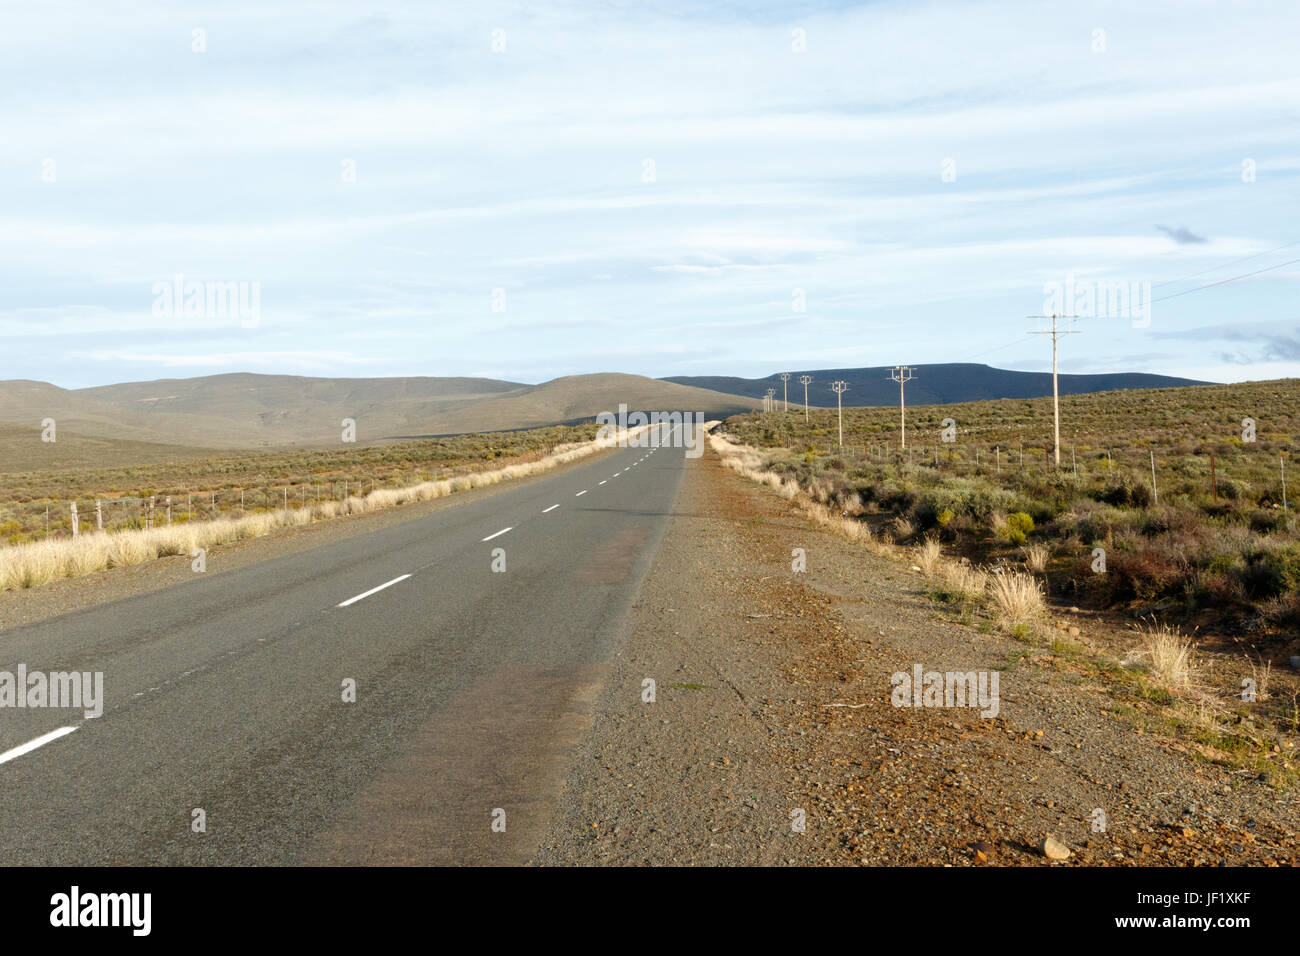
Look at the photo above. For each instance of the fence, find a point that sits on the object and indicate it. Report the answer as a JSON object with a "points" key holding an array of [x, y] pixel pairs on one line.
{"points": [[55, 518]]}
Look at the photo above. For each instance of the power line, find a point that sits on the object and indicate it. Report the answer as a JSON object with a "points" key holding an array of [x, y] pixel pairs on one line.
{"points": [[1231, 262], [1211, 285]]}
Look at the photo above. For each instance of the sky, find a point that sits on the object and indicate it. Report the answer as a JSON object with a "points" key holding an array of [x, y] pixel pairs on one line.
{"points": [[525, 191]]}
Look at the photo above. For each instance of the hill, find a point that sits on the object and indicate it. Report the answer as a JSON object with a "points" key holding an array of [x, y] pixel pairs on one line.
{"points": [[249, 411], [933, 384]]}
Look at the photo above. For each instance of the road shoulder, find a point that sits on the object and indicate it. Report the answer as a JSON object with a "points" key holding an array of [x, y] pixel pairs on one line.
{"points": [[772, 705]]}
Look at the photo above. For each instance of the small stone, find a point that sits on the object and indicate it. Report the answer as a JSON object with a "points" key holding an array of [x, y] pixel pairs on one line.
{"points": [[1054, 849], [982, 851]]}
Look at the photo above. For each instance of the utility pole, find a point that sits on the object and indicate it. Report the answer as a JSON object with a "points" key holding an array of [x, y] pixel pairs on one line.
{"points": [[902, 374], [806, 379], [771, 399], [1056, 397], [785, 388], [839, 388]]}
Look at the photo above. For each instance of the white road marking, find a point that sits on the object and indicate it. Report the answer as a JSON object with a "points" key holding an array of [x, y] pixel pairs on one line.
{"points": [[497, 534], [581, 493], [386, 584], [604, 482], [551, 508], [31, 745]]}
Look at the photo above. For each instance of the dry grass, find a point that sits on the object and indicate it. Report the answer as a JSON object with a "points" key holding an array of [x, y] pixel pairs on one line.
{"points": [[1170, 657], [1036, 557], [750, 464], [36, 563], [928, 556], [1018, 597], [968, 584], [902, 528]]}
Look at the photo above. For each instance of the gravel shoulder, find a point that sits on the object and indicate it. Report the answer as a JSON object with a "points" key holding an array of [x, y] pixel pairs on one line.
{"points": [[772, 699]]}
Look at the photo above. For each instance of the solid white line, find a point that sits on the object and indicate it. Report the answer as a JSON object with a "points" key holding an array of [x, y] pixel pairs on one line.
{"points": [[551, 508], [604, 482], [31, 745], [581, 493], [498, 534], [386, 584]]}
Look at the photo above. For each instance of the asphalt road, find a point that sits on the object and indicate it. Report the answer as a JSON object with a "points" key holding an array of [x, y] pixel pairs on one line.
{"points": [[225, 694]]}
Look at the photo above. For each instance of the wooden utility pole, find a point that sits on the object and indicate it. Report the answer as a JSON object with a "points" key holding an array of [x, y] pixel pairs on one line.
{"points": [[806, 379], [902, 374], [785, 389], [1056, 396], [839, 388], [770, 400]]}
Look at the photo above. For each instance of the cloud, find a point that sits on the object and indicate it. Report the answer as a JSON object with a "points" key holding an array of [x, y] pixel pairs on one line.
{"points": [[1182, 235]]}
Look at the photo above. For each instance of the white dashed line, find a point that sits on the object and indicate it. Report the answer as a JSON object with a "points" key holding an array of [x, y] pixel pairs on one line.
{"points": [[604, 481], [31, 745], [498, 534], [581, 493], [551, 508], [386, 584]]}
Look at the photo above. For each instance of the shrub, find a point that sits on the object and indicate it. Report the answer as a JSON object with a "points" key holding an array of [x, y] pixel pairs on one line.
{"points": [[1018, 597], [1016, 527]]}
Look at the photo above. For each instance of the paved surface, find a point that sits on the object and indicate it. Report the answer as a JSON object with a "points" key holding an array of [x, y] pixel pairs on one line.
{"points": [[225, 693]]}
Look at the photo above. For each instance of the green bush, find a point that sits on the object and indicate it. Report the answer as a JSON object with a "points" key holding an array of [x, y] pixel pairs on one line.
{"points": [[1017, 527]]}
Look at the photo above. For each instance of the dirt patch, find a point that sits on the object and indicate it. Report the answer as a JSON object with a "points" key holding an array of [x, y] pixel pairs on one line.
{"points": [[772, 706]]}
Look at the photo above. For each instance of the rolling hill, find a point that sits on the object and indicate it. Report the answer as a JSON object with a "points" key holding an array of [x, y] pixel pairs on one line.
{"points": [[932, 384], [248, 411]]}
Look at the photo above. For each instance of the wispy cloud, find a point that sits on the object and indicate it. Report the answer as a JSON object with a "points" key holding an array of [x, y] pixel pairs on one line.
{"points": [[411, 200]]}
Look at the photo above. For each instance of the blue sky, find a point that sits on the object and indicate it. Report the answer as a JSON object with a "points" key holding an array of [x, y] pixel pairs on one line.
{"points": [[128, 158]]}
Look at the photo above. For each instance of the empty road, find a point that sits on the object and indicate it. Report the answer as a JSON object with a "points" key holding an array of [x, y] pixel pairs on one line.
{"points": [[224, 697]]}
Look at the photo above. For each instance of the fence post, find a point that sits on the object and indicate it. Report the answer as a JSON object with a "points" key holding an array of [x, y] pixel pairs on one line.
{"points": [[74, 519], [99, 516], [169, 510], [1155, 492], [148, 522]]}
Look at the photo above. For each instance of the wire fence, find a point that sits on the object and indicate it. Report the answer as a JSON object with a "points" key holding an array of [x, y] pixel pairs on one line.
{"points": [[63, 517]]}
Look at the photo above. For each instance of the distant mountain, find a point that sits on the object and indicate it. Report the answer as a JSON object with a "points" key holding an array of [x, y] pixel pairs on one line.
{"points": [[931, 384], [248, 411]]}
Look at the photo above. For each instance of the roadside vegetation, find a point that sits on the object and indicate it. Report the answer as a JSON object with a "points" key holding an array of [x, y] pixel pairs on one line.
{"points": [[1212, 539], [231, 485], [1012, 552], [418, 471]]}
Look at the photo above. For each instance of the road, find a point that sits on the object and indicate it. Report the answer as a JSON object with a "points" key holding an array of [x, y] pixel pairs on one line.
{"points": [[225, 695]]}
